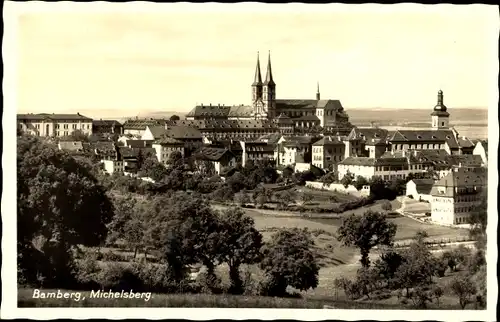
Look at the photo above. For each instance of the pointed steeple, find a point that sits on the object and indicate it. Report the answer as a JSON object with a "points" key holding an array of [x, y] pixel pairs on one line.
{"points": [[269, 73], [318, 96], [258, 77]]}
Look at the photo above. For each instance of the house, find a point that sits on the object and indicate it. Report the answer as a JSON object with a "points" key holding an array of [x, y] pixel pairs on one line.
{"points": [[327, 152], [481, 149], [137, 144], [107, 127], [388, 167], [154, 132], [256, 151], [419, 189], [445, 139], [71, 146], [105, 150], [113, 166], [466, 145], [220, 158], [357, 140], [289, 148], [138, 126], [57, 125], [129, 158], [165, 146], [455, 195]]}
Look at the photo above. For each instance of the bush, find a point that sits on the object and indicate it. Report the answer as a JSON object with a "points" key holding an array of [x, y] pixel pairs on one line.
{"points": [[158, 279], [208, 283], [87, 271], [119, 277]]}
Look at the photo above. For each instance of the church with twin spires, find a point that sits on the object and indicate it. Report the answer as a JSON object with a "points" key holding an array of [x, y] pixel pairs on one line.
{"points": [[265, 107]]}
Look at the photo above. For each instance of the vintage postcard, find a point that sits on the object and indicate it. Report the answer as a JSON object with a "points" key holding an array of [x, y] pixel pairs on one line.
{"points": [[230, 161]]}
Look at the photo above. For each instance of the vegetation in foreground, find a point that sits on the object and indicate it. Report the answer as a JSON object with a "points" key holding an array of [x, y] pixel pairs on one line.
{"points": [[67, 214]]}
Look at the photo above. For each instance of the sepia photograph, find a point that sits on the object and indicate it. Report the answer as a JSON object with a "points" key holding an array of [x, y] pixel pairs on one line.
{"points": [[331, 160]]}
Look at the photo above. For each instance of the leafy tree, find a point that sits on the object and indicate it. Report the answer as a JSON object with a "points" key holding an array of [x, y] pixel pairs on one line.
{"points": [[365, 232], [329, 178], [421, 297], [287, 173], [174, 118], [175, 160], [478, 221], [76, 135], [360, 182], [418, 266], [347, 179], [242, 198], [288, 260], [305, 197], [59, 202], [236, 182], [462, 287], [386, 206], [388, 264], [437, 292], [240, 244]]}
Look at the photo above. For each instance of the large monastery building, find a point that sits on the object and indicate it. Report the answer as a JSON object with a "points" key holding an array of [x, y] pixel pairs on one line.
{"points": [[265, 106]]}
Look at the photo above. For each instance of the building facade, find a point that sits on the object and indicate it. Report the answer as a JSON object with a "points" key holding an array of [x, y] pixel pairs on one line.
{"points": [[302, 113], [54, 125], [455, 195]]}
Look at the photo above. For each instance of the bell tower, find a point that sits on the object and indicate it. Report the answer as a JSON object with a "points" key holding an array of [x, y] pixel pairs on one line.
{"points": [[440, 116], [269, 92], [257, 83]]}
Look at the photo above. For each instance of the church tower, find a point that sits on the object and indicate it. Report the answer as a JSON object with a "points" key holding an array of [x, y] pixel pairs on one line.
{"points": [[257, 83], [269, 92], [440, 116], [318, 95]]}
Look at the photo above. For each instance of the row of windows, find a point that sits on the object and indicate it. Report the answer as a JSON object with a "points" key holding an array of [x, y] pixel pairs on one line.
{"points": [[428, 146], [467, 198], [463, 209], [330, 150], [461, 220]]}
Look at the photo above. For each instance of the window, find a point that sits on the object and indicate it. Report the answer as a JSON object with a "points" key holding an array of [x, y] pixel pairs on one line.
{"points": [[74, 126]]}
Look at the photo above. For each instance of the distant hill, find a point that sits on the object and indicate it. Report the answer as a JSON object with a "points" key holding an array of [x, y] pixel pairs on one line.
{"points": [[415, 117]]}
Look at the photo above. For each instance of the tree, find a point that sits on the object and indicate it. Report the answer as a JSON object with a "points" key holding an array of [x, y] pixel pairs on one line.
{"points": [[462, 287], [242, 198], [305, 197], [288, 260], [478, 221], [388, 263], [175, 160], [347, 179], [365, 232], [360, 182], [437, 292], [329, 178], [240, 244], [60, 203], [386, 206], [418, 267], [174, 118]]}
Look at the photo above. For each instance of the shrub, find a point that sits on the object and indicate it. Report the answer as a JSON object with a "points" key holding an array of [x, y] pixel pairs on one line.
{"points": [[119, 277], [158, 279], [87, 271], [208, 283]]}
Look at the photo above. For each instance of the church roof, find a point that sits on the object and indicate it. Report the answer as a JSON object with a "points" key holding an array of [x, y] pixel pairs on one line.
{"points": [[308, 103]]}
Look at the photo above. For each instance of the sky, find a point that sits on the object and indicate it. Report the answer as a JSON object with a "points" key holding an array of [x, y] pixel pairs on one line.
{"points": [[170, 58]]}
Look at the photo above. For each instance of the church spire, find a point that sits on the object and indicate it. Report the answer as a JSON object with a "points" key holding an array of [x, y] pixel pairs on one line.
{"points": [[258, 77], [318, 96], [269, 73]]}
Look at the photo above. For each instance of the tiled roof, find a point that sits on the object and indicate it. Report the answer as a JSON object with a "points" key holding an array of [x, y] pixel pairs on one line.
{"points": [[106, 123], [271, 138], [464, 142], [460, 178], [367, 134], [361, 161], [240, 111], [300, 104], [211, 153], [211, 124], [465, 160], [71, 146], [209, 111], [126, 152], [138, 143], [168, 140], [157, 131], [141, 124], [329, 140], [300, 139], [53, 116], [426, 136], [424, 186], [183, 132]]}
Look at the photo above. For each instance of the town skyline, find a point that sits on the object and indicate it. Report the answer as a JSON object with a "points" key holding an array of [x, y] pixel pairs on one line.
{"points": [[151, 62]]}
